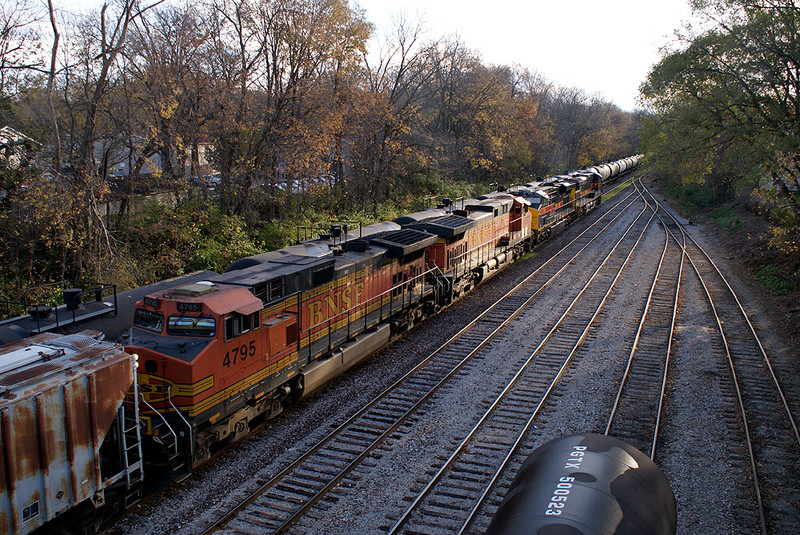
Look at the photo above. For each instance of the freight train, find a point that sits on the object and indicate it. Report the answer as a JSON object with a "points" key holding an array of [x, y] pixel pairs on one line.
{"points": [[214, 354]]}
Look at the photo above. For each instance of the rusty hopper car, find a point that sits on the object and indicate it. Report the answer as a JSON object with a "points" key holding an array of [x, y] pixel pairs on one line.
{"points": [[68, 432]]}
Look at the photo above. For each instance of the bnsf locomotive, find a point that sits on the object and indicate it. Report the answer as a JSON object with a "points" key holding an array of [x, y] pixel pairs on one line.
{"points": [[218, 353]]}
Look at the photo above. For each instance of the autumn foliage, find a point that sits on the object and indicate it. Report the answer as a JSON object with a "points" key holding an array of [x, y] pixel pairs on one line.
{"points": [[300, 110]]}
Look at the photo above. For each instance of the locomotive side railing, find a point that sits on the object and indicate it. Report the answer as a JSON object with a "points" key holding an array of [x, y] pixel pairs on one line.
{"points": [[165, 423], [172, 449], [387, 302], [484, 254], [384, 303], [189, 434], [62, 300]]}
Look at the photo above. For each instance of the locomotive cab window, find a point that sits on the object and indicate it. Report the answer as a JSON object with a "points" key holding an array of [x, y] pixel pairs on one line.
{"points": [[238, 324], [190, 326], [151, 321]]}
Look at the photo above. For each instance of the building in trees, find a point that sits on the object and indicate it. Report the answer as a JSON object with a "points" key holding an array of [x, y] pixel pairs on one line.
{"points": [[15, 149]]}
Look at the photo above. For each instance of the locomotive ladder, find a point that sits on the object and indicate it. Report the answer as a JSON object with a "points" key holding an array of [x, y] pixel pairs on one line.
{"points": [[132, 448]]}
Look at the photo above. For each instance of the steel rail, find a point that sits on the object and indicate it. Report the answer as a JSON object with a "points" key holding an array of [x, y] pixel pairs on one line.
{"points": [[731, 367], [637, 337], [752, 331], [663, 393], [309, 503]]}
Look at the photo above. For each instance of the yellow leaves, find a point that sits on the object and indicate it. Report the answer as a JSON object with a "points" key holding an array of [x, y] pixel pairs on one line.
{"points": [[481, 164], [168, 109]]}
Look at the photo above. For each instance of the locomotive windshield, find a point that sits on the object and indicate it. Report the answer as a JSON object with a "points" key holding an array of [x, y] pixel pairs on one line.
{"points": [[146, 319], [190, 326]]}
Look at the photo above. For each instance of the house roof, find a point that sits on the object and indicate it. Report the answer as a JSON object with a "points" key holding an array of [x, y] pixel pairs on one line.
{"points": [[9, 136]]}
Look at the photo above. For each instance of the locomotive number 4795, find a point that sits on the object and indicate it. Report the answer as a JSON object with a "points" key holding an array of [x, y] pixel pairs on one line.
{"points": [[239, 353]]}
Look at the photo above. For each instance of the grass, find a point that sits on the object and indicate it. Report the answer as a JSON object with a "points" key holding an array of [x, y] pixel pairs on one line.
{"points": [[774, 281], [614, 191], [728, 218]]}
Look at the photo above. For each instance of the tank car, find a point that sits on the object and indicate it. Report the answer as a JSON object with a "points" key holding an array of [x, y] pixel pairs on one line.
{"points": [[587, 484], [610, 171], [69, 432]]}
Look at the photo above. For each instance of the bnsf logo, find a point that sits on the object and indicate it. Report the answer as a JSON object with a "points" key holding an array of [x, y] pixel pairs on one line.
{"points": [[328, 306]]}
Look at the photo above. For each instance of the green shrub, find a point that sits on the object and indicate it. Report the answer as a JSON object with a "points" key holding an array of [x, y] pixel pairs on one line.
{"points": [[194, 235], [728, 218], [773, 280]]}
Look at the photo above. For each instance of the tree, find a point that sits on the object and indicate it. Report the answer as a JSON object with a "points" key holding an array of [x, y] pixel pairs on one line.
{"points": [[575, 118], [727, 105], [162, 102], [471, 110], [397, 81], [103, 40], [287, 94], [284, 52], [532, 132], [19, 42]]}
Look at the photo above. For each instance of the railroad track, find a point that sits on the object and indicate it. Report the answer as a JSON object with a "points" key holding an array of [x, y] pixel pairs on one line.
{"points": [[702, 450], [638, 406], [306, 485], [759, 409]]}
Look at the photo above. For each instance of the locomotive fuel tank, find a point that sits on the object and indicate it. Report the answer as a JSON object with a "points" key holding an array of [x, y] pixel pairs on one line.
{"points": [[587, 484]]}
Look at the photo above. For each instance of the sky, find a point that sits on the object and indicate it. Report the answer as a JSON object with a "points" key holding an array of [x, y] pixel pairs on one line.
{"points": [[605, 48]]}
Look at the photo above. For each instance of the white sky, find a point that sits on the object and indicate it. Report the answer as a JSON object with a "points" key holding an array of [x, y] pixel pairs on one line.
{"points": [[604, 47]]}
